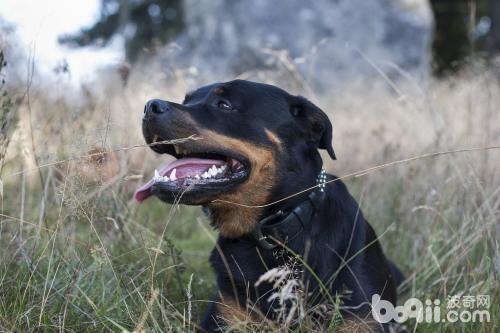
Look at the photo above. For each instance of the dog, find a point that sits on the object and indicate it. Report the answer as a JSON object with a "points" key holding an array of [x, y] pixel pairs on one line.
{"points": [[256, 169]]}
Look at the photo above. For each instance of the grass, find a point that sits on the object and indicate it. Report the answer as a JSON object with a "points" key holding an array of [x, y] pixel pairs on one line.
{"points": [[78, 255]]}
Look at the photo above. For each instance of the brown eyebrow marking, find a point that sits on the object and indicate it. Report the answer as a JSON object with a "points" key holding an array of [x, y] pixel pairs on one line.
{"points": [[273, 138], [218, 91]]}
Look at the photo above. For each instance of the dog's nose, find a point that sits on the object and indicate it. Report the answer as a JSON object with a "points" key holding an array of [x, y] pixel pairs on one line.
{"points": [[156, 106]]}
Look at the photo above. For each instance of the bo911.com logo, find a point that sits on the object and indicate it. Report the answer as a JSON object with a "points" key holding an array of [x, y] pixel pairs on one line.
{"points": [[459, 308]]}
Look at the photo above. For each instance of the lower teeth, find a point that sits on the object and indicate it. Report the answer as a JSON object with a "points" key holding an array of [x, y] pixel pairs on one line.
{"points": [[210, 173]]}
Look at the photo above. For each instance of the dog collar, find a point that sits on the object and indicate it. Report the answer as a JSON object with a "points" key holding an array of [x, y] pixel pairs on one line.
{"points": [[282, 227]]}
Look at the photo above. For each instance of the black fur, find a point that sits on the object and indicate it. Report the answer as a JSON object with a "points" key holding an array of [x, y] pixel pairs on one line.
{"points": [[339, 245]]}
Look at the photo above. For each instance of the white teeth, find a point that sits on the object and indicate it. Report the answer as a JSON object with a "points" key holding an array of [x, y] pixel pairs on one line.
{"points": [[172, 175], [212, 171], [158, 178], [209, 173]]}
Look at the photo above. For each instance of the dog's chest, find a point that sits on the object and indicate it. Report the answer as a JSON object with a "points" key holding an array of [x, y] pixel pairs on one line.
{"points": [[242, 262]]}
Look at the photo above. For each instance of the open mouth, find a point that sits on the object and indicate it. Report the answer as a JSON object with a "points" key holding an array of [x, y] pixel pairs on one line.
{"points": [[196, 174]]}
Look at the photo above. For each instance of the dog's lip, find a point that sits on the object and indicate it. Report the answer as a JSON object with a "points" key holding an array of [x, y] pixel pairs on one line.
{"points": [[192, 160]]}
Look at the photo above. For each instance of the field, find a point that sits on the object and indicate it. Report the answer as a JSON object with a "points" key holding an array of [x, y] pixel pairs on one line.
{"points": [[77, 254]]}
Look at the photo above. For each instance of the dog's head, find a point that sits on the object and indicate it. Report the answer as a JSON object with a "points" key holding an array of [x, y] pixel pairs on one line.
{"points": [[253, 140]]}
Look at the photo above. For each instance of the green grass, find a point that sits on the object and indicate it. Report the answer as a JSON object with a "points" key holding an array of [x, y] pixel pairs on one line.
{"points": [[104, 265], [101, 277]]}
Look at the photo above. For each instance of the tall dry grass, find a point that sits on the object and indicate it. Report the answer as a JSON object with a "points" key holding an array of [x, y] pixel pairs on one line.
{"points": [[79, 255]]}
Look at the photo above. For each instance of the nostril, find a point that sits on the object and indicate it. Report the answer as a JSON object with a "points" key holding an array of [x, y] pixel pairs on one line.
{"points": [[156, 106]]}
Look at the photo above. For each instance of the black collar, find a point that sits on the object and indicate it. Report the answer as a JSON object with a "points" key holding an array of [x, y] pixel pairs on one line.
{"points": [[282, 227]]}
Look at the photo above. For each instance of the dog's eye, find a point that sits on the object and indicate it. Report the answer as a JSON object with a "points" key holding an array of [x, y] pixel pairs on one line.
{"points": [[223, 105], [296, 111]]}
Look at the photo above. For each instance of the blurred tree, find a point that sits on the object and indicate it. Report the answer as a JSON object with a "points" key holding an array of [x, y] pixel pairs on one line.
{"points": [[9, 102], [7, 112], [463, 29], [144, 25], [493, 40]]}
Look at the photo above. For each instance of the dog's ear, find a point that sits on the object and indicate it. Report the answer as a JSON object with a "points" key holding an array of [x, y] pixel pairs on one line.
{"points": [[319, 127]]}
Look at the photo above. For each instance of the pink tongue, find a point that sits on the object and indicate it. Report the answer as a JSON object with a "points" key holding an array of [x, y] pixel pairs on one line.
{"points": [[185, 167]]}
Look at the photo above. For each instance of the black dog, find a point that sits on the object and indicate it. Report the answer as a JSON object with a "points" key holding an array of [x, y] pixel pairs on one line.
{"points": [[256, 144]]}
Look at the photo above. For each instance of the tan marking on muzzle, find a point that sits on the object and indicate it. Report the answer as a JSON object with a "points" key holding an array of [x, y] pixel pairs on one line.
{"points": [[231, 220]]}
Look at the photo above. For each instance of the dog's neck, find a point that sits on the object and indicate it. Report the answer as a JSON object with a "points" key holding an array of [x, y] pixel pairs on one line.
{"points": [[284, 227], [234, 221]]}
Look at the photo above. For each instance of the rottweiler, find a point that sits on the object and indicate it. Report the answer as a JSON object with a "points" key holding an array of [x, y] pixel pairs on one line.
{"points": [[255, 168]]}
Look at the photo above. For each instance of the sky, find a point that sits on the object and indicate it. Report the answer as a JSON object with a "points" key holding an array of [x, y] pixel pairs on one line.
{"points": [[39, 23]]}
